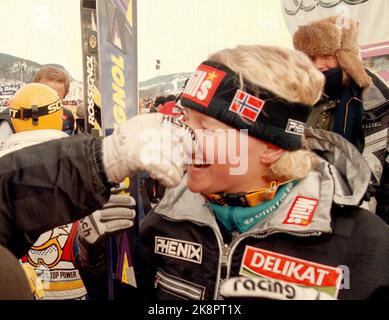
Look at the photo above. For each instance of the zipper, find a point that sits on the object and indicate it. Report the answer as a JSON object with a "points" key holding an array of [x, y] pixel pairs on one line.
{"points": [[222, 250], [346, 114], [223, 269], [345, 118], [221, 245], [178, 288], [225, 254]]}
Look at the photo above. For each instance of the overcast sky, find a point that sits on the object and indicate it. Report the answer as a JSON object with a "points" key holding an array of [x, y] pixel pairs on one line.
{"points": [[181, 33]]}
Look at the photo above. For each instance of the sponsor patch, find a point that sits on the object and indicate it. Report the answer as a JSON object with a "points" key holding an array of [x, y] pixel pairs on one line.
{"points": [[54, 107], [203, 84], [262, 263], [179, 249], [295, 127], [247, 105], [301, 211]]}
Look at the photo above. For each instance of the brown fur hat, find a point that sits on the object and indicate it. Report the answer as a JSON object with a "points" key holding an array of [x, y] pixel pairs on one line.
{"points": [[334, 35]]}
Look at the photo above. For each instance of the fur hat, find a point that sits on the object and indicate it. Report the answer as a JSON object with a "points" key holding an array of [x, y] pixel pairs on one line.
{"points": [[334, 35]]}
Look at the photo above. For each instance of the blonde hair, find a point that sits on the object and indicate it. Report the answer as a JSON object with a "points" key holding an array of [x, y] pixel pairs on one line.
{"points": [[287, 73], [292, 165]]}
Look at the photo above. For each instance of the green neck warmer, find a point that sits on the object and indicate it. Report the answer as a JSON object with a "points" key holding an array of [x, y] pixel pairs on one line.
{"points": [[242, 219]]}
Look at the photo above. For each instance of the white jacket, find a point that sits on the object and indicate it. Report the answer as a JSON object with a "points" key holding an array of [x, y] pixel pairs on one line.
{"points": [[5, 132], [24, 139]]}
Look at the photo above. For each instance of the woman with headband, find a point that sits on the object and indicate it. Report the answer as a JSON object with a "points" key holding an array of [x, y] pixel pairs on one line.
{"points": [[265, 198]]}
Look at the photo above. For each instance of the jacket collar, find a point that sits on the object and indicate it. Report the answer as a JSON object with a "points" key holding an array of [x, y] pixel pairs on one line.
{"points": [[180, 204]]}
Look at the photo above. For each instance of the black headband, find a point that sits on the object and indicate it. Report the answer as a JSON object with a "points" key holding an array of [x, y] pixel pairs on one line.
{"points": [[215, 91]]}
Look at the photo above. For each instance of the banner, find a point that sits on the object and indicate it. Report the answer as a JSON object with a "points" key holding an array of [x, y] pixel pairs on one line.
{"points": [[372, 15], [117, 61], [8, 90], [117, 51], [109, 38], [90, 65]]}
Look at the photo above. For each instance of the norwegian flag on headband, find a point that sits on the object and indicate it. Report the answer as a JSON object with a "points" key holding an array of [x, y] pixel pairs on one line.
{"points": [[247, 105]]}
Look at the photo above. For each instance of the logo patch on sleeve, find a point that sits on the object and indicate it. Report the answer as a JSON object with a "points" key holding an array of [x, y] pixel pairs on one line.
{"points": [[295, 127], [301, 211], [203, 84], [179, 249], [247, 105], [262, 263]]}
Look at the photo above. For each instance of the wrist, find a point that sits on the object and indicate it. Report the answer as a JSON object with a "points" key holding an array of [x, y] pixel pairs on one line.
{"points": [[90, 255], [98, 151]]}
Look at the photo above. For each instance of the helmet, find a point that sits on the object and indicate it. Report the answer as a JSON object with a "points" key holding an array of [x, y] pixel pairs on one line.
{"points": [[36, 107]]}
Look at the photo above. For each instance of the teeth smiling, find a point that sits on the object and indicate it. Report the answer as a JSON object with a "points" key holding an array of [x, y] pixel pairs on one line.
{"points": [[201, 165], [199, 162]]}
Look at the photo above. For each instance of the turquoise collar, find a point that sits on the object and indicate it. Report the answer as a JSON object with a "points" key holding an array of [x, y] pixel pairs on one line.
{"points": [[243, 219]]}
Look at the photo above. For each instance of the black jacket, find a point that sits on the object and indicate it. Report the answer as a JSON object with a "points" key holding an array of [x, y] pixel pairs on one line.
{"points": [[362, 117], [185, 254], [48, 185], [376, 153]]}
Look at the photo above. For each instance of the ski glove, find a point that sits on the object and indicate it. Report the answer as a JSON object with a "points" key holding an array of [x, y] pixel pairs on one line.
{"points": [[118, 214], [268, 289], [158, 144]]}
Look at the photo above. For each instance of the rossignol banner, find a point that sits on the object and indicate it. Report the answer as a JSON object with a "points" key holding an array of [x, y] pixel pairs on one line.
{"points": [[111, 98], [116, 20], [117, 61], [90, 63]]}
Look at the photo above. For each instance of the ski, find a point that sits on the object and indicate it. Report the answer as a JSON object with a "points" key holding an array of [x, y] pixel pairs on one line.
{"points": [[109, 32]]}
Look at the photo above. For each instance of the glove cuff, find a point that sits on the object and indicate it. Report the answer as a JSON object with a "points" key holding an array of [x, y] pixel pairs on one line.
{"points": [[98, 163], [91, 256]]}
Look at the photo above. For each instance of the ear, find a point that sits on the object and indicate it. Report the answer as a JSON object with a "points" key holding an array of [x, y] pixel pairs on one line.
{"points": [[271, 154]]}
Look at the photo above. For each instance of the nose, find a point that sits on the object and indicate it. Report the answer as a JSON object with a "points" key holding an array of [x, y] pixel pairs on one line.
{"points": [[320, 63]]}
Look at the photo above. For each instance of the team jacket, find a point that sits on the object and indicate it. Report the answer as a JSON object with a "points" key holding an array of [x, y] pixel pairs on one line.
{"points": [[49, 185], [317, 237]]}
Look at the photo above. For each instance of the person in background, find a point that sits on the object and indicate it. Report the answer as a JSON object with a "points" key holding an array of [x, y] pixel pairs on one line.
{"points": [[170, 107], [160, 100], [55, 79], [36, 113], [154, 190], [59, 81], [355, 101]]}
